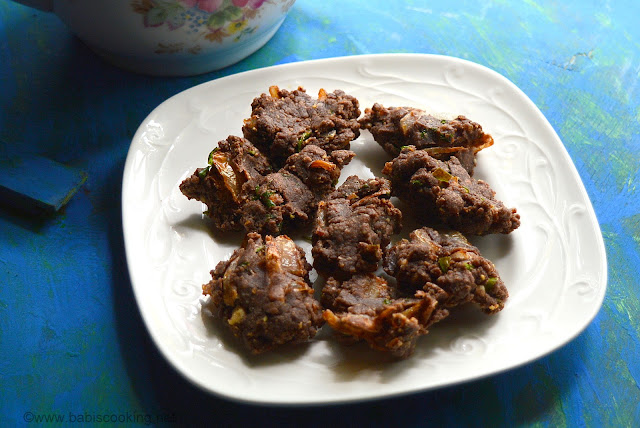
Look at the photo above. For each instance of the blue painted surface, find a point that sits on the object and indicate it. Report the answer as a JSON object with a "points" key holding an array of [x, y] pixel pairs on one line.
{"points": [[34, 184], [71, 338]]}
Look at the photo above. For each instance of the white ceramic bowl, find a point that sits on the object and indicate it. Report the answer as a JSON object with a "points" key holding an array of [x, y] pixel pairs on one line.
{"points": [[171, 37]]}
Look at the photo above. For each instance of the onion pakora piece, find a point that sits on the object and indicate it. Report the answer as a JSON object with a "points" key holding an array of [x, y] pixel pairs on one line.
{"points": [[241, 190], [448, 263], [286, 200], [317, 169], [284, 122], [353, 225], [263, 294], [444, 190], [366, 308], [395, 127], [219, 185]]}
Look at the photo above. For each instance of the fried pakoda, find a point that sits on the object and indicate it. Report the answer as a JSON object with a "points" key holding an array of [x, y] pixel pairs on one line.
{"points": [[263, 294], [444, 190], [395, 127]]}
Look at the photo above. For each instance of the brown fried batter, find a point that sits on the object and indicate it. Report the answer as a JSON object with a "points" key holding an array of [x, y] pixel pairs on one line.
{"points": [[219, 185], [318, 170], [276, 203], [263, 294], [448, 263], [354, 224], [365, 307], [286, 200], [283, 122], [281, 177], [242, 192], [395, 127], [444, 190]]}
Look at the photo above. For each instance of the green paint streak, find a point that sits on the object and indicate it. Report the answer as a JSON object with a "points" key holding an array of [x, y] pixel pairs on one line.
{"points": [[622, 406], [532, 404], [535, 5], [100, 390], [625, 166], [546, 12], [624, 273], [35, 361], [631, 38], [632, 226], [494, 52], [598, 115], [527, 26], [399, 51], [48, 333], [42, 42], [46, 265], [603, 19], [600, 134]]}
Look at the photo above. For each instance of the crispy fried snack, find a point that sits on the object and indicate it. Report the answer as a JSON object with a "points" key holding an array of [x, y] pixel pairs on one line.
{"points": [[242, 191], [447, 266], [263, 294], [444, 190], [354, 224], [219, 185], [395, 127], [286, 200], [366, 308], [283, 122]]}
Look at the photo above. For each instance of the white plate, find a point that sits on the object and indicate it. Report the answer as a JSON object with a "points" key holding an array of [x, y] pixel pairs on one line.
{"points": [[554, 265]]}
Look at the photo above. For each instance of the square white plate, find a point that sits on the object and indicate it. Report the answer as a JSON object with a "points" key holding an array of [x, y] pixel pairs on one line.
{"points": [[554, 265]]}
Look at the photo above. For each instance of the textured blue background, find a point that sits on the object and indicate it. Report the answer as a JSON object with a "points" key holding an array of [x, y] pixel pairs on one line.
{"points": [[71, 337]]}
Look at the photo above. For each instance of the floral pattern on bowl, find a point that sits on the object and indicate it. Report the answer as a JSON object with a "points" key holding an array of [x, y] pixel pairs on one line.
{"points": [[213, 20]]}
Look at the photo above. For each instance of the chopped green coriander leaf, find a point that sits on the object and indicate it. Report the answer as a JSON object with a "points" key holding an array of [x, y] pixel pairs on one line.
{"points": [[429, 133], [203, 172], [491, 282], [444, 263], [265, 197], [304, 137], [256, 193]]}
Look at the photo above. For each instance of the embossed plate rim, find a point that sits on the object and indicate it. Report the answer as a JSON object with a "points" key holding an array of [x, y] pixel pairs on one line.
{"points": [[159, 226]]}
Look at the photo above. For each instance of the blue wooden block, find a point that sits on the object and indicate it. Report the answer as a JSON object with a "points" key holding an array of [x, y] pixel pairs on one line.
{"points": [[35, 184]]}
